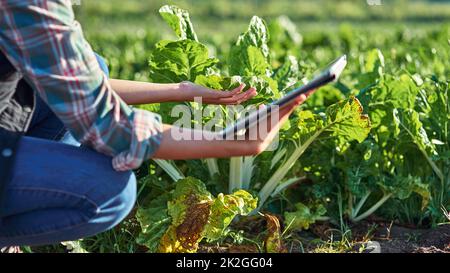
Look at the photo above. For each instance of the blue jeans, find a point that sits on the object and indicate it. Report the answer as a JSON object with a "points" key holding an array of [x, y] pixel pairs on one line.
{"points": [[60, 191]]}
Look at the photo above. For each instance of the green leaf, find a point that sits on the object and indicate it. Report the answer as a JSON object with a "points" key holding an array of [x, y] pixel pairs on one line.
{"points": [[174, 62], [257, 35], [248, 61], [347, 122], [215, 82], [267, 87], [303, 216], [374, 61], [154, 221], [344, 121], [288, 74], [402, 187], [284, 32], [373, 69], [408, 121], [324, 97], [178, 61], [250, 55], [178, 19]]}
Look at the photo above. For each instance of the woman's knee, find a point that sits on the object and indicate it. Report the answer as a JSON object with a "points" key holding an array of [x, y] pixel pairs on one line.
{"points": [[119, 198]]}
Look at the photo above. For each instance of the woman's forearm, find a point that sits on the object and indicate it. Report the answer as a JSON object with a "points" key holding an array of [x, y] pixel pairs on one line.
{"points": [[134, 92], [203, 144], [171, 148]]}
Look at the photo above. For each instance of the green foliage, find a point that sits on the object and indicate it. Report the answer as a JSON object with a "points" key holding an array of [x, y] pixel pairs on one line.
{"points": [[303, 216], [154, 221], [179, 61]]}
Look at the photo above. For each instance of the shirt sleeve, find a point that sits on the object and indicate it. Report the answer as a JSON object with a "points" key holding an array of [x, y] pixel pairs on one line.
{"points": [[45, 43]]}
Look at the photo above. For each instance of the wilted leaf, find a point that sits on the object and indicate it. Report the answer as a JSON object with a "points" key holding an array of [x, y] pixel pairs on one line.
{"points": [[196, 214], [273, 243], [225, 208]]}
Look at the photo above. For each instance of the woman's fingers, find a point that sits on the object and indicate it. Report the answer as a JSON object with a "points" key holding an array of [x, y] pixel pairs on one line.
{"points": [[216, 94], [235, 91], [234, 96], [235, 99]]}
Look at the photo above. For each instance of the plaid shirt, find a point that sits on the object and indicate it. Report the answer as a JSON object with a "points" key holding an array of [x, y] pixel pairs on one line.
{"points": [[44, 42]]}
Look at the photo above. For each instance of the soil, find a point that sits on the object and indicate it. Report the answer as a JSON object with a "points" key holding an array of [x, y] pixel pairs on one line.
{"points": [[402, 239], [375, 235]]}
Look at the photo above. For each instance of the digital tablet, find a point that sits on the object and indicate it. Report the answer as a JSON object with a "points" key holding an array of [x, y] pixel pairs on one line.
{"points": [[330, 74]]}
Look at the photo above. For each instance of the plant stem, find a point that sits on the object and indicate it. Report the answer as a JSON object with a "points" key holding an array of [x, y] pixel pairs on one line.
{"points": [[285, 184], [235, 179], [170, 169], [213, 168], [373, 208], [360, 205], [281, 172], [247, 171]]}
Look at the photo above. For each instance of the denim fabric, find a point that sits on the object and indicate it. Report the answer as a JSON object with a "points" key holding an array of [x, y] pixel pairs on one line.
{"points": [[61, 192]]}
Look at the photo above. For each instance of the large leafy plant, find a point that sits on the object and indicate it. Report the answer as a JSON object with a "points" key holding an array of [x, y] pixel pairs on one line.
{"points": [[249, 62]]}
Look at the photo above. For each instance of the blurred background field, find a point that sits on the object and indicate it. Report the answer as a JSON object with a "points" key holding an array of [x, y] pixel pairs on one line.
{"points": [[127, 30], [231, 15]]}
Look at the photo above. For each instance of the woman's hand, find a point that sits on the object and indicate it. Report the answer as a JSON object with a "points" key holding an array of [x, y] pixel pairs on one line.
{"points": [[262, 141], [189, 91]]}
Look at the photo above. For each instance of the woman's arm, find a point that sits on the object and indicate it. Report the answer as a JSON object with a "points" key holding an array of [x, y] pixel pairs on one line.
{"points": [[134, 92], [172, 148]]}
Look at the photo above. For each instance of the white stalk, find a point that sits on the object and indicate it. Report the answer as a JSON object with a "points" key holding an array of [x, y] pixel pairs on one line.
{"points": [[170, 168], [373, 208], [281, 172], [247, 171], [284, 185], [213, 168], [360, 204], [235, 180]]}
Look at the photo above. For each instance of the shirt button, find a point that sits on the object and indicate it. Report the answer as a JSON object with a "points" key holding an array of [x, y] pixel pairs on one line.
{"points": [[27, 109], [7, 152]]}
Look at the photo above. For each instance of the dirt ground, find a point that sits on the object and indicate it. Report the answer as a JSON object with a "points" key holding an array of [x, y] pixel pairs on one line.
{"points": [[399, 239], [370, 236]]}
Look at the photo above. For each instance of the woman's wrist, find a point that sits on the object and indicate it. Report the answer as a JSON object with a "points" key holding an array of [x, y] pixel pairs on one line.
{"points": [[186, 91]]}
